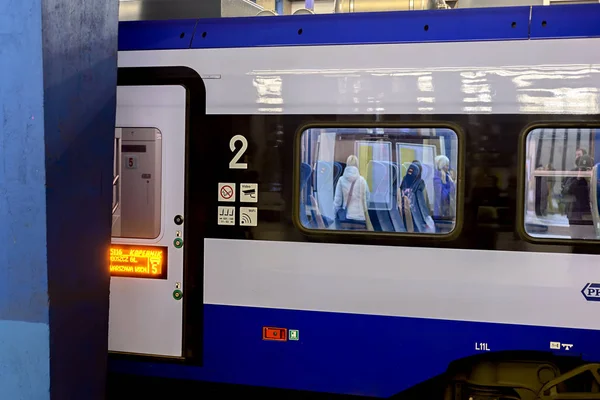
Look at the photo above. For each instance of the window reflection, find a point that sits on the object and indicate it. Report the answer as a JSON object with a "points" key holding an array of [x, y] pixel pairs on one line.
{"points": [[379, 180], [295, 7], [136, 10], [562, 184]]}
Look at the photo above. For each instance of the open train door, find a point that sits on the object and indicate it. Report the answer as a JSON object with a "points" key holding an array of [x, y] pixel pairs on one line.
{"points": [[155, 297]]}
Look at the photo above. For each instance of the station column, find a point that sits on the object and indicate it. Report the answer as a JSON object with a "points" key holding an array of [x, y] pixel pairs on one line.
{"points": [[57, 112]]}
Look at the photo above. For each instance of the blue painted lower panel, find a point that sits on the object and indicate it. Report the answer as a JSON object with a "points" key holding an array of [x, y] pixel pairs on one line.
{"points": [[349, 353], [24, 360]]}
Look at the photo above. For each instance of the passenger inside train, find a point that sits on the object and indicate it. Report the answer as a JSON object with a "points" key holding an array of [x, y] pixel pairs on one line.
{"points": [[561, 193], [379, 179]]}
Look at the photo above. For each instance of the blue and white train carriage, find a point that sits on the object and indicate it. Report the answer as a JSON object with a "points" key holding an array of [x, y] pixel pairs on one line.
{"points": [[361, 204]]}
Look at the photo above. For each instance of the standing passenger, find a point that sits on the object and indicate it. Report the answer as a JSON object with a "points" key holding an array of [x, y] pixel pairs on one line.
{"points": [[351, 197], [444, 188], [579, 152], [576, 195]]}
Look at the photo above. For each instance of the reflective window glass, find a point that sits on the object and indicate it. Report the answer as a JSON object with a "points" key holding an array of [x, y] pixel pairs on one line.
{"points": [[561, 185], [379, 179], [137, 183]]}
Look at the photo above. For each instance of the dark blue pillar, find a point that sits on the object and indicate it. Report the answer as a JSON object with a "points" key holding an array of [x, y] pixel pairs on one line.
{"points": [[57, 111]]}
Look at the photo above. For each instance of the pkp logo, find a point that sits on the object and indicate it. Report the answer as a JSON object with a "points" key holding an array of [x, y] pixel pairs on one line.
{"points": [[591, 292]]}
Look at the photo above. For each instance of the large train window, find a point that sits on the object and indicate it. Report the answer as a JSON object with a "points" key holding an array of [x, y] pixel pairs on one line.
{"points": [[378, 179], [136, 211], [561, 185]]}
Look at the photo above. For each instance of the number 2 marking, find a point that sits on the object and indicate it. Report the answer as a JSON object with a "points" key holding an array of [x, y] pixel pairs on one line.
{"points": [[234, 164]]}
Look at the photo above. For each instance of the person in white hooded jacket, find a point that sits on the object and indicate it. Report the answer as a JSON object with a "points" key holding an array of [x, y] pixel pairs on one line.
{"points": [[355, 207]]}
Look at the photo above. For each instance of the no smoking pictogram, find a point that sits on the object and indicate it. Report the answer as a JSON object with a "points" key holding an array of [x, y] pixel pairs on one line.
{"points": [[227, 192]]}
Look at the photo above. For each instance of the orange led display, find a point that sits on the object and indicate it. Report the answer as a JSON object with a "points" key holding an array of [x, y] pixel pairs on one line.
{"points": [[138, 261]]}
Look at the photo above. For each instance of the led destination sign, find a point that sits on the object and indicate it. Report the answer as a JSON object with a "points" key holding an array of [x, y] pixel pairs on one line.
{"points": [[138, 261]]}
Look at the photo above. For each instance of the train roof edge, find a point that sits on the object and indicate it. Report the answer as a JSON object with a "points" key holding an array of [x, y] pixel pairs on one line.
{"points": [[430, 26]]}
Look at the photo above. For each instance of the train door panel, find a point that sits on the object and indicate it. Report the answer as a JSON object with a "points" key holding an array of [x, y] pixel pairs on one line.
{"points": [[146, 311]]}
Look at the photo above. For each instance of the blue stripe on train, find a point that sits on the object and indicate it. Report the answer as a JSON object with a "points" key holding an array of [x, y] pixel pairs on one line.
{"points": [[460, 25], [348, 353]]}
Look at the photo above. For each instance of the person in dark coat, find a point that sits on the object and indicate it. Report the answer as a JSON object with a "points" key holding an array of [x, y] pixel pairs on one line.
{"points": [[425, 194], [411, 202], [576, 196]]}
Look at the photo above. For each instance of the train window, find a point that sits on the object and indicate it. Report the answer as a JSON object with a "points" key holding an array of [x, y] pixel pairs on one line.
{"points": [[378, 179], [561, 185], [136, 211]]}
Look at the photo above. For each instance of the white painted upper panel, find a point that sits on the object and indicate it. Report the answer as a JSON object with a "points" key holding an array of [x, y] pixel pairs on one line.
{"points": [[504, 77]]}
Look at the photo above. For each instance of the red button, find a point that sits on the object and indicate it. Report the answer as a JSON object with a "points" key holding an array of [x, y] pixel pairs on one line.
{"points": [[277, 334]]}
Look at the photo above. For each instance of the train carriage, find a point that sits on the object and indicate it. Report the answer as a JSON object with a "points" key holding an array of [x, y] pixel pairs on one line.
{"points": [[361, 204]]}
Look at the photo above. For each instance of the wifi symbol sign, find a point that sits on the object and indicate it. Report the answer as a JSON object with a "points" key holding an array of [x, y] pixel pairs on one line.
{"points": [[246, 220], [248, 216]]}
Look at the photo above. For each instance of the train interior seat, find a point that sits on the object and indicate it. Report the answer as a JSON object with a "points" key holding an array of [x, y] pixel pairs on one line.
{"points": [[337, 172], [394, 213], [305, 189], [316, 214], [426, 171], [378, 207], [325, 171]]}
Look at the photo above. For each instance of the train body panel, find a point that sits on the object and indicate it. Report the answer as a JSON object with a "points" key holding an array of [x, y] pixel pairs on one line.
{"points": [[449, 284], [505, 77], [342, 353], [292, 298]]}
